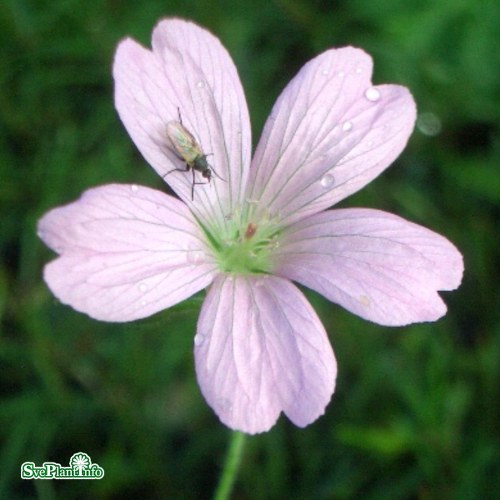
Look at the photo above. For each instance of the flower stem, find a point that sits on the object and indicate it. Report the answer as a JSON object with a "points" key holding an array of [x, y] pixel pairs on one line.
{"points": [[231, 466]]}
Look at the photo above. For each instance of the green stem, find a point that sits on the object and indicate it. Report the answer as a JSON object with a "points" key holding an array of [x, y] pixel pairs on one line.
{"points": [[231, 466]]}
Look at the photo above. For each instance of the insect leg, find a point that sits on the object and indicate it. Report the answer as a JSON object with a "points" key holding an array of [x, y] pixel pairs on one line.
{"points": [[192, 187], [187, 169], [179, 114], [196, 184]]}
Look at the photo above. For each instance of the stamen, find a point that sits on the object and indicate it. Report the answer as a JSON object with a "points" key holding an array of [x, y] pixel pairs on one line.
{"points": [[251, 230]]}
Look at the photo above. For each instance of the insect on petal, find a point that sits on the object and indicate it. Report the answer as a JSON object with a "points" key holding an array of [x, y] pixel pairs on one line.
{"points": [[188, 72]]}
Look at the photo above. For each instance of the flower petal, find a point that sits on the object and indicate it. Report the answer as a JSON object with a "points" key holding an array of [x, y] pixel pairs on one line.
{"points": [[126, 252], [260, 349], [329, 134], [377, 265], [190, 72]]}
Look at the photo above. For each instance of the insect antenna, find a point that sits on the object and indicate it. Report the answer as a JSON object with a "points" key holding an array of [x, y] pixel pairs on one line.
{"points": [[212, 169], [217, 175]]}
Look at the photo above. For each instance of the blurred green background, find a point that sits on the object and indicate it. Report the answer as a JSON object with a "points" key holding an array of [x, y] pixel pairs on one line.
{"points": [[416, 411]]}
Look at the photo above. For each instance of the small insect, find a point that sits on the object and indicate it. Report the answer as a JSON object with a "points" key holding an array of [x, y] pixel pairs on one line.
{"points": [[188, 150]]}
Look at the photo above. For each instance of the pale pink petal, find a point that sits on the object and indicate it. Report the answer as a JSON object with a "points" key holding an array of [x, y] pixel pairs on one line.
{"points": [[329, 134], [260, 349], [187, 70], [126, 252], [377, 265]]}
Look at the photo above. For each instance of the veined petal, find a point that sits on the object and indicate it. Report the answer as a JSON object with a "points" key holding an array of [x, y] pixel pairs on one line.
{"points": [[260, 349], [375, 264], [329, 134], [125, 252], [190, 72]]}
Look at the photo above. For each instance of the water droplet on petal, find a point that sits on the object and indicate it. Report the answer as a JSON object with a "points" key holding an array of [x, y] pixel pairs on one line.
{"points": [[327, 180], [341, 74], [224, 404], [200, 84], [261, 280], [324, 72], [252, 201], [199, 339], [144, 303], [134, 188], [359, 70], [194, 256], [347, 126], [372, 94], [143, 288], [364, 300]]}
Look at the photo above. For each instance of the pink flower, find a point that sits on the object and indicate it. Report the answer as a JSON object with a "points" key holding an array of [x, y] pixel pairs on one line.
{"points": [[126, 252]]}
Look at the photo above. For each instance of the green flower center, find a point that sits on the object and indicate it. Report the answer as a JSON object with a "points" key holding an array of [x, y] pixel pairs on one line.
{"points": [[245, 246]]}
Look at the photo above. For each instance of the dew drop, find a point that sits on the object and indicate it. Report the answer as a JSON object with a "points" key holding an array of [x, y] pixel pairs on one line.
{"points": [[372, 94], [224, 404], [347, 126], [199, 339], [324, 72], [134, 188], [327, 180], [194, 256], [200, 84], [261, 280], [252, 201], [144, 303], [429, 124], [359, 70], [143, 288], [341, 74], [364, 300]]}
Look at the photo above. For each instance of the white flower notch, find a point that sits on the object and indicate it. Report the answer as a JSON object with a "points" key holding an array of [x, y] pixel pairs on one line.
{"points": [[126, 252]]}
